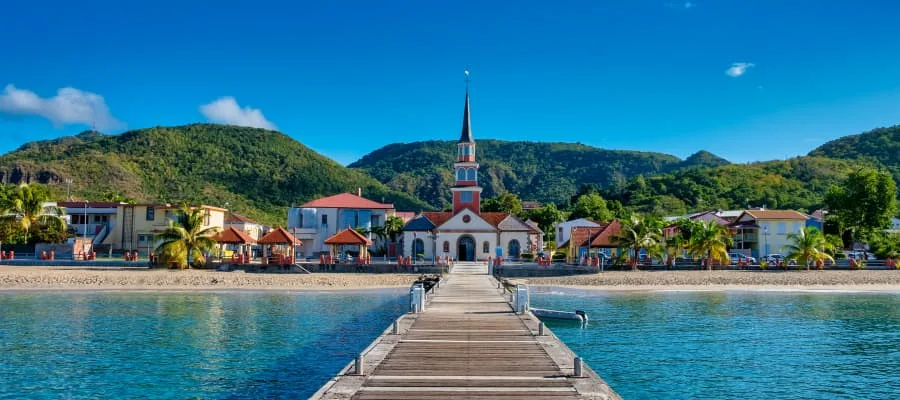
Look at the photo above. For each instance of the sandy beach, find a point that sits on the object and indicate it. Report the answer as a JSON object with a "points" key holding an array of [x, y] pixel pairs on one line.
{"points": [[58, 278], [729, 280]]}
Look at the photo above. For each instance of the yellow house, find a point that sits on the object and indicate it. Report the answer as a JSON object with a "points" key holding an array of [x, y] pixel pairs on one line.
{"points": [[137, 223]]}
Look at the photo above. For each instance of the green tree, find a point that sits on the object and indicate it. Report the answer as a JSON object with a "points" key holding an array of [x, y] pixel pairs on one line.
{"points": [[185, 239], [636, 234], [591, 206], [546, 217], [392, 227], [25, 208], [506, 202], [809, 245], [710, 242], [864, 203], [886, 245]]}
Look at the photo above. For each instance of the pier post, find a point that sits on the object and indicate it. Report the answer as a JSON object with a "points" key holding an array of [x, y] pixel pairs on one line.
{"points": [[578, 366], [359, 364], [541, 328], [396, 329]]}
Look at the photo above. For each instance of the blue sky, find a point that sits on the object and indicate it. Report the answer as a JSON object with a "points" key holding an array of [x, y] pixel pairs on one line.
{"points": [[746, 79]]}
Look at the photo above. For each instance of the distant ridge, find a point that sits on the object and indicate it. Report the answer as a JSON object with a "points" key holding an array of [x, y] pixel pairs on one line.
{"points": [[257, 172]]}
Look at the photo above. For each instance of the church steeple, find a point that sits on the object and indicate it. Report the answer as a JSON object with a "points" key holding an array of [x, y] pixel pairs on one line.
{"points": [[466, 136], [466, 192]]}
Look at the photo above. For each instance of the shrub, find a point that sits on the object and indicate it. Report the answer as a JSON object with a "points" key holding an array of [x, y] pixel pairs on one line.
{"points": [[559, 256], [527, 256]]}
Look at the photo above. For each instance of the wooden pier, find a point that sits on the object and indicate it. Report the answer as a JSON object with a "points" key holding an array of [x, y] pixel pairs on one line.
{"points": [[468, 344]]}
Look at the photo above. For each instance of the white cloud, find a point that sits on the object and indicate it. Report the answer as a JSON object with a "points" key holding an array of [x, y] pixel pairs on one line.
{"points": [[69, 106], [738, 69], [227, 111]]}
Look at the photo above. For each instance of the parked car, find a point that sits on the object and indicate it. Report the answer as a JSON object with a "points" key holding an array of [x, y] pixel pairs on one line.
{"points": [[735, 257], [774, 258], [858, 255]]}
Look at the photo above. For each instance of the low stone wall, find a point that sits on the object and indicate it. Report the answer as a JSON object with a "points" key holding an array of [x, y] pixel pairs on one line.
{"points": [[375, 268], [534, 270], [76, 264]]}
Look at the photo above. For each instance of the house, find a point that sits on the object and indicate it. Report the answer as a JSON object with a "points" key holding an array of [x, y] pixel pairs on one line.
{"points": [[122, 226], [246, 225], [564, 229], [529, 205], [466, 233], [585, 239], [319, 219], [91, 220], [758, 233], [672, 229]]}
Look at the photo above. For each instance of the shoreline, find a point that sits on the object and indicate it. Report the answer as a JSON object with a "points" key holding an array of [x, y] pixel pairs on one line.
{"points": [[31, 279], [731, 288]]}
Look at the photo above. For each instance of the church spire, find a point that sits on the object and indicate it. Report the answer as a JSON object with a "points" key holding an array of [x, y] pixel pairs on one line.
{"points": [[466, 136]]}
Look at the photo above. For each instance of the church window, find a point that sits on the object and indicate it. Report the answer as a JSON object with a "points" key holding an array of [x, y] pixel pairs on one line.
{"points": [[461, 174], [446, 246], [471, 174], [485, 247], [465, 197]]}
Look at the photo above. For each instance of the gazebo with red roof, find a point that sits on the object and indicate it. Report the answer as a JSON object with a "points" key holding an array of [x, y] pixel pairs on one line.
{"points": [[280, 238], [232, 236], [349, 237]]}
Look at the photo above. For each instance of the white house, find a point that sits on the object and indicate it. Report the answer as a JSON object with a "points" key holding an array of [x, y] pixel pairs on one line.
{"points": [[252, 228], [319, 219], [564, 229]]}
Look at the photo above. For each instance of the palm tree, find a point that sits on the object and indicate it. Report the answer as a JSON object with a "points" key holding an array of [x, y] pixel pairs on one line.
{"points": [[25, 207], [635, 235], [392, 227], [710, 242], [185, 239], [674, 247], [809, 245]]}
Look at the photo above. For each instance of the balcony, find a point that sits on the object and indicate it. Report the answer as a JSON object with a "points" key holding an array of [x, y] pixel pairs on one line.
{"points": [[746, 238]]}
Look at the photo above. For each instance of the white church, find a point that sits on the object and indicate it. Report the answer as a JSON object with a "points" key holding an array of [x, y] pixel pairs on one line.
{"points": [[467, 233]]}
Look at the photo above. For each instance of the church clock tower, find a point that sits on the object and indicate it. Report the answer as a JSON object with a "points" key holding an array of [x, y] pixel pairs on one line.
{"points": [[466, 192]]}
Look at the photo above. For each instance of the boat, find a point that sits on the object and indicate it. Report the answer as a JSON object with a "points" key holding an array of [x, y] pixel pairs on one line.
{"points": [[576, 315]]}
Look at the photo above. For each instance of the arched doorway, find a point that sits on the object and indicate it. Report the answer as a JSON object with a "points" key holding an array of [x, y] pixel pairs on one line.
{"points": [[513, 249], [418, 248], [465, 248]]}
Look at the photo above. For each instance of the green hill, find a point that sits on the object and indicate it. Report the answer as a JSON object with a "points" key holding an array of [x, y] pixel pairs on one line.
{"points": [[798, 183], [547, 172], [257, 172], [880, 146]]}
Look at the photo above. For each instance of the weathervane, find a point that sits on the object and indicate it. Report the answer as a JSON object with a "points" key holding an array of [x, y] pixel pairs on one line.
{"points": [[468, 79]]}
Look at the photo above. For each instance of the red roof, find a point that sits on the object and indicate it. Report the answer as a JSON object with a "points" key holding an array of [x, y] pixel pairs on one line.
{"points": [[233, 236], [278, 236], [346, 200], [599, 236], [438, 218], [348, 236], [405, 215], [90, 204], [494, 218], [234, 218]]}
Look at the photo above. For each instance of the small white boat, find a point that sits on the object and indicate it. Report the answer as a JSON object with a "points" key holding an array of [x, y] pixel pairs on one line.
{"points": [[576, 315]]}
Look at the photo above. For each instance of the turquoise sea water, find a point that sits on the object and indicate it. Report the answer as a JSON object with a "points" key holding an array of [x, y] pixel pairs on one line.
{"points": [[761, 345], [250, 345], [184, 345]]}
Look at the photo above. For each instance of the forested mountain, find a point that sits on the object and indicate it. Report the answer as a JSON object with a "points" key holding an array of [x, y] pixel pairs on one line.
{"points": [[880, 146], [547, 172], [257, 172], [798, 183]]}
